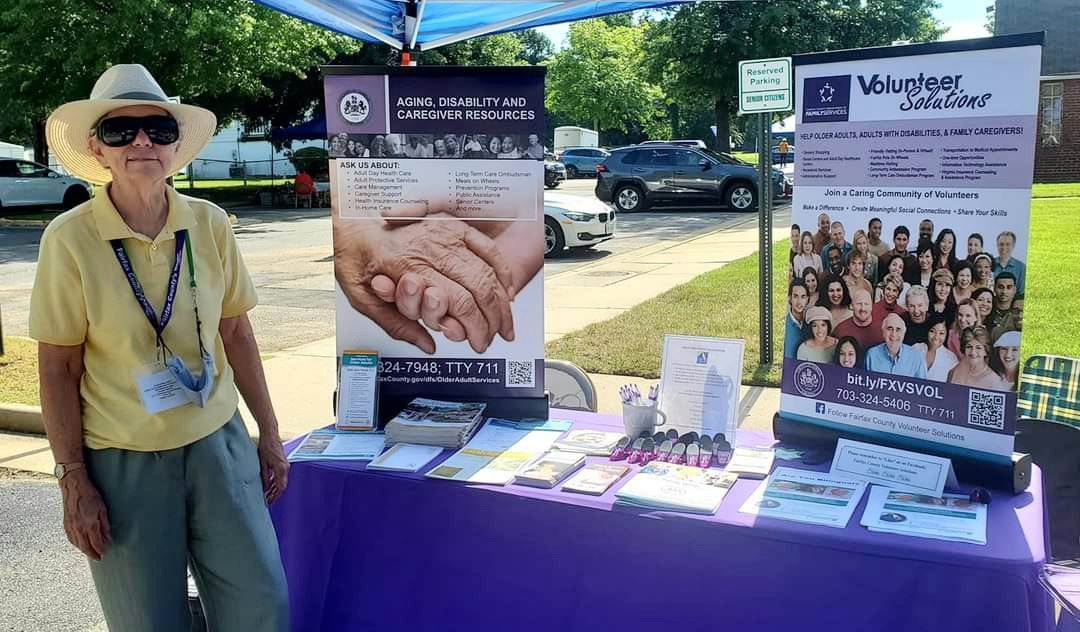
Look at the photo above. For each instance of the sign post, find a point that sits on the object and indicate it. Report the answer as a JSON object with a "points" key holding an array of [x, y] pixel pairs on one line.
{"points": [[764, 88]]}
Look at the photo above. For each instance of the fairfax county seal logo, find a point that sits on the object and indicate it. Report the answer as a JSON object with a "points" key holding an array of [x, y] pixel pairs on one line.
{"points": [[354, 107], [826, 93], [809, 380]]}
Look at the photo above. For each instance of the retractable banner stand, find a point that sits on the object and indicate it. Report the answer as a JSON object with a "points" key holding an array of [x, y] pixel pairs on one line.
{"points": [[437, 199], [921, 156]]}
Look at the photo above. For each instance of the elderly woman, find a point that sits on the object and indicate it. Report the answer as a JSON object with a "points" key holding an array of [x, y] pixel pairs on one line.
{"points": [[139, 309], [974, 367]]}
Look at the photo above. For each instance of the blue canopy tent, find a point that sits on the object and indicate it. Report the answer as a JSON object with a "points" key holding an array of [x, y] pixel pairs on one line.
{"points": [[426, 24], [315, 128]]}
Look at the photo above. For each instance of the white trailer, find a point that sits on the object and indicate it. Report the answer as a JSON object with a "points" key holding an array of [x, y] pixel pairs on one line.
{"points": [[11, 150], [572, 136]]}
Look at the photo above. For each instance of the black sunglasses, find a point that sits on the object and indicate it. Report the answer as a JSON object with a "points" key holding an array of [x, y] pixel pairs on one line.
{"points": [[119, 131]]}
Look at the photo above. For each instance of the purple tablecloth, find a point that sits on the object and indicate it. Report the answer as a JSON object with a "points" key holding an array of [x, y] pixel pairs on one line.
{"points": [[376, 550]]}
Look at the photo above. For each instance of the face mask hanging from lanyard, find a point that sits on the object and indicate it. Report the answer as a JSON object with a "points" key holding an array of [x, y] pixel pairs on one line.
{"points": [[197, 388]]}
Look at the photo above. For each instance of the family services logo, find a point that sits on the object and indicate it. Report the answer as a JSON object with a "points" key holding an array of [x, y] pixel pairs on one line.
{"points": [[809, 380], [354, 107], [826, 99]]}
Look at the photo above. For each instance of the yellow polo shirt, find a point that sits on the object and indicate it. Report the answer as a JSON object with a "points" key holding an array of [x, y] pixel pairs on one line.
{"points": [[81, 297]]}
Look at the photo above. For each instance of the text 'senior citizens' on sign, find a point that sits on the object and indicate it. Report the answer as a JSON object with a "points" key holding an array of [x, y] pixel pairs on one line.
{"points": [[765, 85], [912, 191], [437, 203]]}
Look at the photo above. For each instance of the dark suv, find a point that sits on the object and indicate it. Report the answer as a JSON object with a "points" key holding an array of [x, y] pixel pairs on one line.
{"points": [[635, 177]]}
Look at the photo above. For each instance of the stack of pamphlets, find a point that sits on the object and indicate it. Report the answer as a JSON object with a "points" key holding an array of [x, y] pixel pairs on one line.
{"points": [[405, 457], [676, 488], [593, 442], [804, 496], [498, 451], [751, 462], [951, 517], [595, 479], [328, 444], [549, 469], [433, 422]]}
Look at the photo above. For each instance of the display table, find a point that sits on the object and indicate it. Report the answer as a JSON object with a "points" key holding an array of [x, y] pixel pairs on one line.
{"points": [[377, 551]]}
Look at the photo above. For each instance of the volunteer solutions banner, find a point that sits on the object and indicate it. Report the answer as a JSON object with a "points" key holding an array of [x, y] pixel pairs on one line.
{"points": [[917, 159], [437, 199]]}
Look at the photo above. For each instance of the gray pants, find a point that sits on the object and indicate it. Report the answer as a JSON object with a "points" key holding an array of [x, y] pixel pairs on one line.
{"points": [[200, 504]]}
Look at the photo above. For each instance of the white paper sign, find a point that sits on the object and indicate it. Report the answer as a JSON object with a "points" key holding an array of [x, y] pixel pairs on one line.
{"points": [[892, 468], [699, 384], [160, 391]]}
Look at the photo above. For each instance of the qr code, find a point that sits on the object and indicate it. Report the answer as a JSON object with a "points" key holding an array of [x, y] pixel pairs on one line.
{"points": [[520, 374], [986, 409]]}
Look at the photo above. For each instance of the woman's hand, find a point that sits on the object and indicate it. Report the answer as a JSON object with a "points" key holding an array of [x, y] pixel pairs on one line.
{"points": [[86, 521], [274, 468]]}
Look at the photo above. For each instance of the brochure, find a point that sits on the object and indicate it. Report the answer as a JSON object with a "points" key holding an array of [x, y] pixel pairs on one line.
{"points": [[699, 383], [594, 442], [358, 381], [434, 422], [338, 445], [549, 469], [751, 462], [494, 454], [405, 457], [595, 478], [952, 517], [676, 488], [803, 496]]}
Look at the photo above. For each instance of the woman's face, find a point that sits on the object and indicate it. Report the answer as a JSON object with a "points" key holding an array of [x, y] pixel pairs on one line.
{"points": [[807, 244], [926, 260], [963, 278], [507, 144], [820, 329], [975, 352], [985, 303], [947, 243], [982, 268], [936, 336], [351, 146], [941, 291], [974, 247], [141, 161], [810, 279], [862, 244], [896, 266], [494, 147], [890, 293], [836, 293], [846, 355], [966, 316], [1009, 356]]}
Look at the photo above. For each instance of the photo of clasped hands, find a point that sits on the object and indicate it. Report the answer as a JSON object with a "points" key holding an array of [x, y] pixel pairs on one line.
{"points": [[427, 270]]}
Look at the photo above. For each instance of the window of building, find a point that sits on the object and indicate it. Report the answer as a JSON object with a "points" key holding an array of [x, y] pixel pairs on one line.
{"points": [[1050, 109]]}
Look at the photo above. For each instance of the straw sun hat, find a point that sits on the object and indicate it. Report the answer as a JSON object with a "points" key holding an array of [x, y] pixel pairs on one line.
{"points": [[71, 125]]}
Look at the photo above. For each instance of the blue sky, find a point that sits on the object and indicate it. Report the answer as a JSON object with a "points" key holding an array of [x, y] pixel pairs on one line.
{"points": [[965, 18]]}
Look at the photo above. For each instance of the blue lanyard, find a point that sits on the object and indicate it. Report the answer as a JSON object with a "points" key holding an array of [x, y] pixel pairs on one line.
{"points": [[170, 297]]}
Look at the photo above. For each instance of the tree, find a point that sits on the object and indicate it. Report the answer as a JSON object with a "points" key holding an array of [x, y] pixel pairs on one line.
{"points": [[695, 52], [213, 53], [503, 49], [535, 46], [599, 79]]}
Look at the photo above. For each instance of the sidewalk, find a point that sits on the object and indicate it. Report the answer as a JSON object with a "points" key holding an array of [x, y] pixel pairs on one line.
{"points": [[301, 379]]}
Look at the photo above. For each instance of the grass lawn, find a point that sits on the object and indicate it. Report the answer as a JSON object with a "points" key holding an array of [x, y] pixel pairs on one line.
{"points": [[1064, 189], [19, 371], [724, 303]]}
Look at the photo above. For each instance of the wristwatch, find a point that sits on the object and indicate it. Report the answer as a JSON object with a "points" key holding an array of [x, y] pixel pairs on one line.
{"points": [[63, 469]]}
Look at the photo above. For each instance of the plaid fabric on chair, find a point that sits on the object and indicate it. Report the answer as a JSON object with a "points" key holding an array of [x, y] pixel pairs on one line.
{"points": [[1050, 389]]}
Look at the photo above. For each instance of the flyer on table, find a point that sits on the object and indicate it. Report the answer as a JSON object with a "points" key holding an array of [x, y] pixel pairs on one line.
{"points": [[699, 383], [912, 191], [437, 207]]}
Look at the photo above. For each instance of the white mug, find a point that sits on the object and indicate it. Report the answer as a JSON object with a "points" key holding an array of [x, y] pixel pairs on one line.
{"points": [[637, 419]]}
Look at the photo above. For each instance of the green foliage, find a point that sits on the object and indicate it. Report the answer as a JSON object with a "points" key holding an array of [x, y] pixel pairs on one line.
{"points": [[213, 53], [536, 47], [504, 49], [599, 80], [314, 160]]}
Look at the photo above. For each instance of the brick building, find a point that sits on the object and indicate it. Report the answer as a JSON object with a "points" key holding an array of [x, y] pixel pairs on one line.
{"points": [[1056, 147]]}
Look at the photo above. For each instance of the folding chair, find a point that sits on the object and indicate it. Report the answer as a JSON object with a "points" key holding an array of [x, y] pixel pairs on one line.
{"points": [[568, 386], [1050, 389]]}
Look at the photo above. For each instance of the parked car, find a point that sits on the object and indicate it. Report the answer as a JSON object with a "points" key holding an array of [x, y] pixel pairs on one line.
{"points": [[575, 222], [28, 184], [582, 160], [698, 144], [554, 172], [633, 178]]}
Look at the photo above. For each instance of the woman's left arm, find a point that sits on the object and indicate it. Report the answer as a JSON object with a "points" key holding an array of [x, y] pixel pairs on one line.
{"points": [[243, 354]]}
